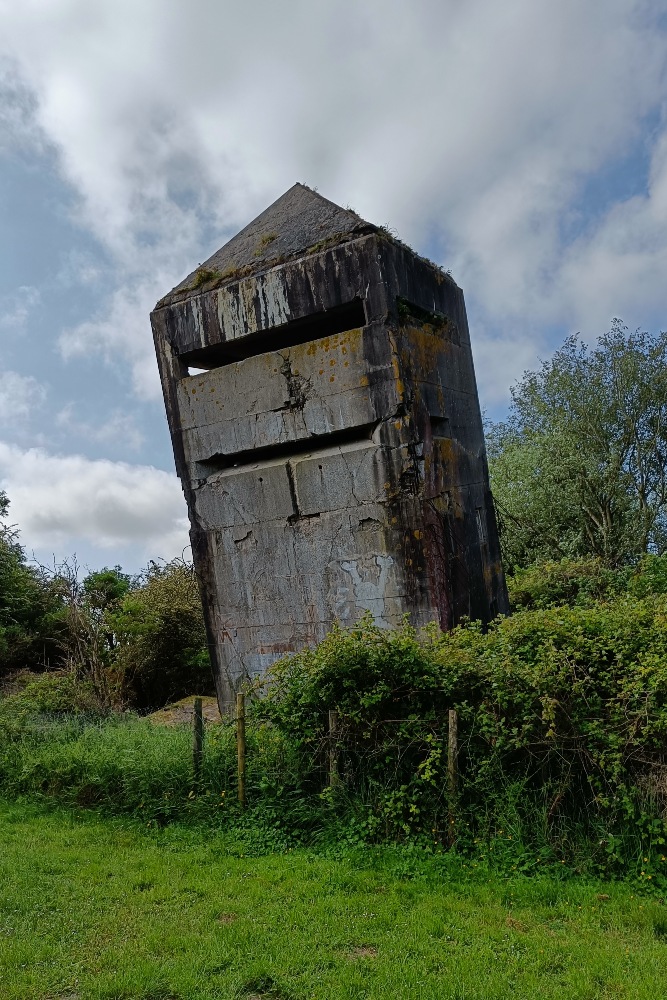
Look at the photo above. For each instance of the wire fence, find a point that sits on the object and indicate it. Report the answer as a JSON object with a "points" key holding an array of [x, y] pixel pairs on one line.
{"points": [[341, 756]]}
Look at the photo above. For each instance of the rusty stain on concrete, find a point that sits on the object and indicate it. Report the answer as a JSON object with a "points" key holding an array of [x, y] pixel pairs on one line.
{"points": [[331, 452]]}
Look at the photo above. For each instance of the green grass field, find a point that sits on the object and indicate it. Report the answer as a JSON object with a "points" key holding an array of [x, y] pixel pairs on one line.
{"points": [[99, 908]]}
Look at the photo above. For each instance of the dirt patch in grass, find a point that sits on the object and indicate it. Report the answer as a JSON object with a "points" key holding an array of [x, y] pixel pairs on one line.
{"points": [[16, 683], [263, 988], [363, 951], [181, 712]]}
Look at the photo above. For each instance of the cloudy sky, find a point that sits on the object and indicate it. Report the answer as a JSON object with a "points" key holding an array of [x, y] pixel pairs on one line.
{"points": [[522, 144]]}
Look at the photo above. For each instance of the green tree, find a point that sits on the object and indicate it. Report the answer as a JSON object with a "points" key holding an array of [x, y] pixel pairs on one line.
{"points": [[580, 466], [162, 650], [88, 639], [28, 605]]}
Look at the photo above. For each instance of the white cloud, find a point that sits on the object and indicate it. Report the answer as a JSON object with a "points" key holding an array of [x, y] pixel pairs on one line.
{"points": [[120, 333], [475, 124], [61, 500], [499, 361], [78, 269], [119, 427], [16, 307], [620, 267], [19, 130], [20, 396]]}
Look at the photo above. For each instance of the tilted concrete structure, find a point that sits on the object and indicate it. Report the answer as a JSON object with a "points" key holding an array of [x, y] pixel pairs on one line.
{"points": [[331, 454]]}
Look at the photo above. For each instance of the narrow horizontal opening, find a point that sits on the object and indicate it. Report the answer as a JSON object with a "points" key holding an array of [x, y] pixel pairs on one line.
{"points": [[300, 331], [440, 427], [274, 454]]}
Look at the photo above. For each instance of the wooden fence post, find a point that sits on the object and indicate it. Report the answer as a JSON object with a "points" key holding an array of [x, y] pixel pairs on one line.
{"points": [[452, 770], [333, 776], [198, 739], [240, 744]]}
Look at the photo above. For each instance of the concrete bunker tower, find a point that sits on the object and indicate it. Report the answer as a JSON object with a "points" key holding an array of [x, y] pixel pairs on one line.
{"points": [[329, 440]]}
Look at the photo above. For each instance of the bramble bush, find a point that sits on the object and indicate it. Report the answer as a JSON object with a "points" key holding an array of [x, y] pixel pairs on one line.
{"points": [[584, 581], [562, 726]]}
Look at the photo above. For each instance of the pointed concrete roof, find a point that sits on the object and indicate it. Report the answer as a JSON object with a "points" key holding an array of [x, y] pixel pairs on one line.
{"points": [[298, 221]]}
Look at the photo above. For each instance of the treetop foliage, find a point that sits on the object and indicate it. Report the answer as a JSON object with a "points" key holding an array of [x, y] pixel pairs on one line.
{"points": [[580, 465], [26, 604]]}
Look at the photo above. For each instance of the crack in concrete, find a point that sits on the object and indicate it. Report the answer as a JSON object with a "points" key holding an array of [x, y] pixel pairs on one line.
{"points": [[300, 389], [291, 479]]}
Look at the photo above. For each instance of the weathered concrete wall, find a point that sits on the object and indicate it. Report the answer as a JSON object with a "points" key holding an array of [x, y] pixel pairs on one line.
{"points": [[334, 476]]}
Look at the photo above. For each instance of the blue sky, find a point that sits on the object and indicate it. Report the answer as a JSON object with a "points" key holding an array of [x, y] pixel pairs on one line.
{"points": [[522, 145]]}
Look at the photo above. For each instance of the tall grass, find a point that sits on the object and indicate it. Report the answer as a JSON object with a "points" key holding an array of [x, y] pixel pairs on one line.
{"points": [[119, 763], [124, 764]]}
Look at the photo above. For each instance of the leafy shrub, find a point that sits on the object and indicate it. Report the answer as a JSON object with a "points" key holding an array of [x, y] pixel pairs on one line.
{"points": [[566, 581], [584, 582], [88, 644], [54, 692], [562, 712], [649, 577], [162, 650]]}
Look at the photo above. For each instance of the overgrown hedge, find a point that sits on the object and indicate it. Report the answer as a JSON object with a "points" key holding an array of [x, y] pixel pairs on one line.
{"points": [[584, 582], [562, 725], [562, 736]]}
